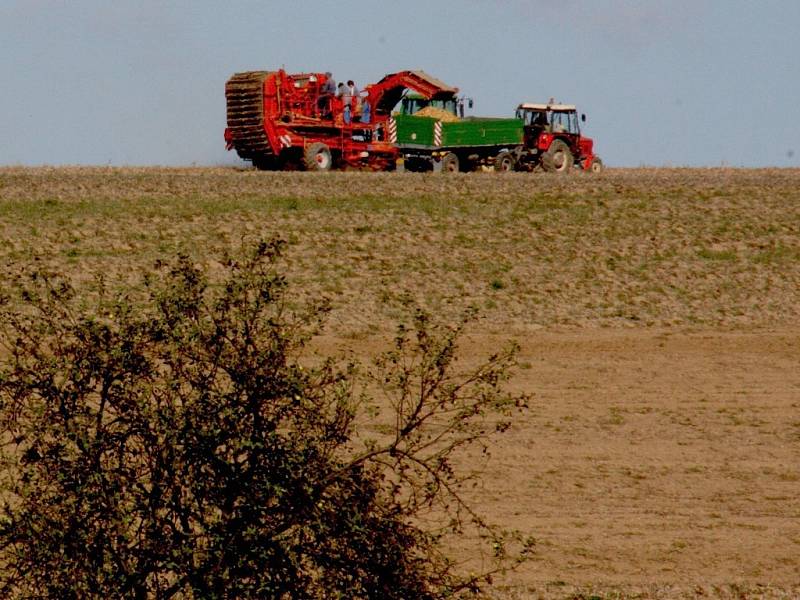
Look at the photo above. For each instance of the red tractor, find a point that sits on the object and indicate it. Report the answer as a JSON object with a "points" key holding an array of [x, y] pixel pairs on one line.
{"points": [[282, 121], [553, 140]]}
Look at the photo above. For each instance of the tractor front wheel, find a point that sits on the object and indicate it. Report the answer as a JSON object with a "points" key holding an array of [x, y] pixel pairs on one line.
{"points": [[450, 163], [597, 165], [558, 158], [504, 162], [317, 157]]}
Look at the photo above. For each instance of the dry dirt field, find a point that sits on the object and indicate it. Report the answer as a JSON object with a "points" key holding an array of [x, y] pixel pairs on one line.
{"points": [[658, 313]]}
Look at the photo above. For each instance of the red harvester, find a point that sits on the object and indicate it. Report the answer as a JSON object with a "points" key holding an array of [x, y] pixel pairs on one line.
{"points": [[282, 121]]}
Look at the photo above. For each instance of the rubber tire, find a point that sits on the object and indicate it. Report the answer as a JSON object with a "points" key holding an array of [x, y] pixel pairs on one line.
{"points": [[504, 162], [558, 158], [450, 163], [597, 165], [318, 157]]}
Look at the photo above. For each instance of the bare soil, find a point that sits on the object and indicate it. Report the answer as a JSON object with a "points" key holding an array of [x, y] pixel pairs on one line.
{"points": [[653, 463], [654, 456], [658, 313]]}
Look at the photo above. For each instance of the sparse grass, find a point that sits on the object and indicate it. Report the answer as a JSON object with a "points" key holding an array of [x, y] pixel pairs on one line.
{"points": [[653, 250], [644, 247], [717, 254]]}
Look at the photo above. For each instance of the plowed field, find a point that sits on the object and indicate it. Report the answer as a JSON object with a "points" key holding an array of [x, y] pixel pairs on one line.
{"points": [[658, 313]]}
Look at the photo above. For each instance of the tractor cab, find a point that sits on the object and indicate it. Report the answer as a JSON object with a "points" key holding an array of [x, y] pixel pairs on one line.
{"points": [[412, 103], [549, 118]]}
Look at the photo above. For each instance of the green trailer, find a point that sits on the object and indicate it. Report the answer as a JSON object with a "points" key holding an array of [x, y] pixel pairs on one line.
{"points": [[457, 144]]}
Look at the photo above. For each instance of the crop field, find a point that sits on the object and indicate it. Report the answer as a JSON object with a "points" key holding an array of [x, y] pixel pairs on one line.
{"points": [[657, 310]]}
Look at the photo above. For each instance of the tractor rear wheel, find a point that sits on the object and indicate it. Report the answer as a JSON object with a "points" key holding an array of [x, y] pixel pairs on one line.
{"points": [[317, 157], [504, 162], [597, 165], [558, 158], [450, 163]]}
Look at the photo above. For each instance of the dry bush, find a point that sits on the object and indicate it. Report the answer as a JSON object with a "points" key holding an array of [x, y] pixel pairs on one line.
{"points": [[178, 447]]}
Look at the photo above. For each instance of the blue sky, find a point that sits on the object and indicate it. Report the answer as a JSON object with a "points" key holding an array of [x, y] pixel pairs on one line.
{"points": [[673, 83]]}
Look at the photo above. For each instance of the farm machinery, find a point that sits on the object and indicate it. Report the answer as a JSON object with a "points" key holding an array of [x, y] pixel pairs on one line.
{"points": [[283, 121], [541, 137], [552, 141], [434, 134]]}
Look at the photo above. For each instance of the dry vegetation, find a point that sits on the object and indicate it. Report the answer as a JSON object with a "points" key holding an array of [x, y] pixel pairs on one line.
{"points": [[657, 311], [653, 248]]}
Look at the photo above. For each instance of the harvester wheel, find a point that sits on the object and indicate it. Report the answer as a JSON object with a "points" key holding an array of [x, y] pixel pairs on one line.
{"points": [[317, 157], [597, 165], [558, 158], [450, 163], [504, 162]]}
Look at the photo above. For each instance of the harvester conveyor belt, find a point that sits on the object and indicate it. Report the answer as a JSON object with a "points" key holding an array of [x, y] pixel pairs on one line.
{"points": [[244, 94]]}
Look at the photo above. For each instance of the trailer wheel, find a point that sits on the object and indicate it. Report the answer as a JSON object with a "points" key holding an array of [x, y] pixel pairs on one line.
{"points": [[558, 158], [504, 162], [317, 157], [450, 163], [597, 165]]}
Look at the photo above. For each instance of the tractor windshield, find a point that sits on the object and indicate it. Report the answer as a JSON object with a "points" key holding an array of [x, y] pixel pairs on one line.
{"points": [[558, 121], [566, 122], [413, 104]]}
